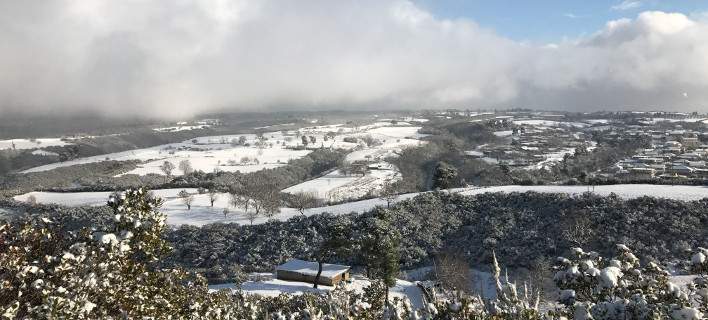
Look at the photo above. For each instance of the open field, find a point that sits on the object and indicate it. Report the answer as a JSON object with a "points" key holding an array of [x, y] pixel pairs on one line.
{"points": [[256, 152], [31, 143], [626, 191]]}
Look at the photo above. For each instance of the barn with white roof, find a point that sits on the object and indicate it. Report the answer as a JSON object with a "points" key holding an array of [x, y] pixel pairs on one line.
{"points": [[306, 271]]}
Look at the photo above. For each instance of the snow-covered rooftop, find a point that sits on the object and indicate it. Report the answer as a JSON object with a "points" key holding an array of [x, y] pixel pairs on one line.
{"points": [[310, 268]]}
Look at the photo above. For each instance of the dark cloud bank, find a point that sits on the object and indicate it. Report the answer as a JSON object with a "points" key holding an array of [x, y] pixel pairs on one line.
{"points": [[179, 58]]}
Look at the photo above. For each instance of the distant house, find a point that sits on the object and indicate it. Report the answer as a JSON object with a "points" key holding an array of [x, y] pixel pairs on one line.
{"points": [[641, 173], [691, 142], [680, 169], [306, 271]]}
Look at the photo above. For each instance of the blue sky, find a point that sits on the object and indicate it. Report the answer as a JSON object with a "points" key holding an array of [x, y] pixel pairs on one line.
{"points": [[552, 20]]}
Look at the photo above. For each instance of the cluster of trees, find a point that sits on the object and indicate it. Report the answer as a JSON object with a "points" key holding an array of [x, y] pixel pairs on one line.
{"points": [[184, 165], [256, 193], [520, 227], [113, 270]]}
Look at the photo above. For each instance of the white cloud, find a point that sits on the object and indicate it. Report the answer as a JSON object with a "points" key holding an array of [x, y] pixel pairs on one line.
{"points": [[170, 58], [628, 5]]}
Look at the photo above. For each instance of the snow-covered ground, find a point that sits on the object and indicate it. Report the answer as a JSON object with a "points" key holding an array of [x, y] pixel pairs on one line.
{"points": [[182, 128], [552, 159], [688, 120], [202, 213], [40, 152], [336, 186], [626, 191], [221, 153], [32, 144], [597, 121], [271, 287], [206, 154], [550, 123], [322, 186], [393, 140]]}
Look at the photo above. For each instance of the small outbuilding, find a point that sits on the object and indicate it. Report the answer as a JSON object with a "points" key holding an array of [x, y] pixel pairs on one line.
{"points": [[306, 271]]}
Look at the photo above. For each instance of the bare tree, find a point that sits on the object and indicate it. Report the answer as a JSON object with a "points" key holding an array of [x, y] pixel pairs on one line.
{"points": [[226, 212], [303, 200], [257, 192], [167, 168], [238, 201], [452, 272], [213, 196], [186, 167], [251, 215], [389, 192], [187, 198]]}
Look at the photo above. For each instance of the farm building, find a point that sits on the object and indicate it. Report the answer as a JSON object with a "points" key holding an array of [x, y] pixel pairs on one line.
{"points": [[306, 271]]}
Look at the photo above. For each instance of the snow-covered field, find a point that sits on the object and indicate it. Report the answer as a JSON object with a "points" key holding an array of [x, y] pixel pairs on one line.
{"points": [[220, 152], [40, 152], [336, 186], [206, 154], [597, 121], [626, 191], [550, 123], [393, 140], [687, 120], [202, 213], [322, 186], [31, 144], [181, 128], [271, 287]]}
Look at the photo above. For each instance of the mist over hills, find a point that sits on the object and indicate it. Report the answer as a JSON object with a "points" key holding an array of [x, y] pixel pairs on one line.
{"points": [[172, 60]]}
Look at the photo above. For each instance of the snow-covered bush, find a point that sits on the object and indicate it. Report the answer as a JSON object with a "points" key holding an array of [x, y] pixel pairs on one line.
{"points": [[47, 272], [620, 288]]}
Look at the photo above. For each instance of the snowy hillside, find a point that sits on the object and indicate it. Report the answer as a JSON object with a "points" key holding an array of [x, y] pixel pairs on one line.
{"points": [[31, 143], [626, 191], [249, 152], [202, 212]]}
